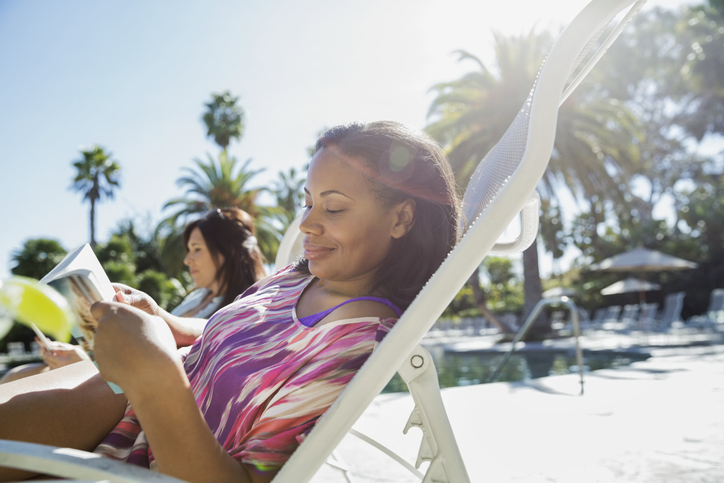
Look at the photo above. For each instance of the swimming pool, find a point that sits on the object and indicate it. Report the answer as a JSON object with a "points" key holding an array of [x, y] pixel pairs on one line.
{"points": [[475, 367]]}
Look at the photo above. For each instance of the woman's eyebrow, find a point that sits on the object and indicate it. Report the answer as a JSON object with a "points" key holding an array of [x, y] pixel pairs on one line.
{"points": [[329, 192]]}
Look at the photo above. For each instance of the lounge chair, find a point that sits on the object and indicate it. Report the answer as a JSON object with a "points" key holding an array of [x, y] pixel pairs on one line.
{"points": [[610, 320], [502, 186], [599, 317], [714, 313], [670, 316], [647, 316]]}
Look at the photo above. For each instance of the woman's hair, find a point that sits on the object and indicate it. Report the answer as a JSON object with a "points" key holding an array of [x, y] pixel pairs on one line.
{"points": [[403, 163], [229, 232]]}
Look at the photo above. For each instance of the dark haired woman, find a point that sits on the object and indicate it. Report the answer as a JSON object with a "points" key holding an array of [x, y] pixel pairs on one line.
{"points": [[381, 214], [224, 260]]}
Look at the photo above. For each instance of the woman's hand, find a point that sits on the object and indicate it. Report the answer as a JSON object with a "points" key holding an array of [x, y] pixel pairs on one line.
{"points": [[132, 348], [185, 329], [62, 354], [136, 298]]}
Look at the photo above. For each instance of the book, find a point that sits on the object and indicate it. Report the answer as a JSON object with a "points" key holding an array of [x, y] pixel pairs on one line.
{"points": [[81, 280]]}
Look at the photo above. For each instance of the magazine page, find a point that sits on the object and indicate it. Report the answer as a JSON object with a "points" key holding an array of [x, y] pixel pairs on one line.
{"points": [[80, 278]]}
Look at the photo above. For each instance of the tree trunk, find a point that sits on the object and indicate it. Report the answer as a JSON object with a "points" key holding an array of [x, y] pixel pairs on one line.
{"points": [[479, 297], [533, 291], [93, 223]]}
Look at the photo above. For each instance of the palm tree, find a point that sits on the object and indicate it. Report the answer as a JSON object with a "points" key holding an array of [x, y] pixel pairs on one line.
{"points": [[98, 175], [217, 184], [289, 193], [224, 119], [593, 149], [220, 184], [37, 257]]}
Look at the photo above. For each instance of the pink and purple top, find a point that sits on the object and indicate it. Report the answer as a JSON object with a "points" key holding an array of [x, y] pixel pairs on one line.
{"points": [[261, 377]]}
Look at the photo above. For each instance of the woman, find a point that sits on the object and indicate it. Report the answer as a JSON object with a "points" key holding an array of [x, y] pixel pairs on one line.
{"points": [[381, 214], [223, 259]]}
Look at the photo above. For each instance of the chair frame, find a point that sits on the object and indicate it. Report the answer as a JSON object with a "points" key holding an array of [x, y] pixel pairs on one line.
{"points": [[457, 268]]}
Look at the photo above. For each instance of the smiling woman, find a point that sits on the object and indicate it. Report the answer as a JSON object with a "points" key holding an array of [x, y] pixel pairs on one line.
{"points": [[400, 180], [382, 213]]}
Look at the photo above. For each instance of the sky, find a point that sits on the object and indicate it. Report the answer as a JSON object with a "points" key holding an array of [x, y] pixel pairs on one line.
{"points": [[133, 77]]}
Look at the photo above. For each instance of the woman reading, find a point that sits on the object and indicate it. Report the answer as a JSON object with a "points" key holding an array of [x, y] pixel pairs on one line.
{"points": [[223, 259], [381, 213]]}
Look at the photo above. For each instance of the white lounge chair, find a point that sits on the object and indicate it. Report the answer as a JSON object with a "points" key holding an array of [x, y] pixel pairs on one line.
{"points": [[714, 314], [502, 186], [647, 316], [670, 316]]}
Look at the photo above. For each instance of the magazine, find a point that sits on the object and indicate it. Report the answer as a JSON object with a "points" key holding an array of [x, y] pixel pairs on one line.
{"points": [[80, 278]]}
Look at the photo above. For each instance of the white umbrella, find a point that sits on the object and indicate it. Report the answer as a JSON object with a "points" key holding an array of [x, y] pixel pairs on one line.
{"points": [[643, 260], [630, 285]]}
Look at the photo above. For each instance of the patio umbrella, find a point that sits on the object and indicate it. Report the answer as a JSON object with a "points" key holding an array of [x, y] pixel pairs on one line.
{"points": [[643, 260], [630, 285]]}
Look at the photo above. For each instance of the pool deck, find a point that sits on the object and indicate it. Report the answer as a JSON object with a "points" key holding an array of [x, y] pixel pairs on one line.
{"points": [[658, 420]]}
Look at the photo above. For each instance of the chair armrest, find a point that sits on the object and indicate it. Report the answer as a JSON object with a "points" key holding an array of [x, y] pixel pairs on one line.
{"points": [[529, 219], [73, 463]]}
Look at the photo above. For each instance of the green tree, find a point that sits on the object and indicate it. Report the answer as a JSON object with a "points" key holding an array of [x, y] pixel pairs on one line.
{"points": [[144, 245], [132, 259], [37, 257], [593, 149], [96, 178], [288, 190], [224, 119], [216, 184], [220, 184]]}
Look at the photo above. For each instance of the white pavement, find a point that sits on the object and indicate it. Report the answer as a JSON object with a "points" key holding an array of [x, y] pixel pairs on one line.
{"points": [[660, 420]]}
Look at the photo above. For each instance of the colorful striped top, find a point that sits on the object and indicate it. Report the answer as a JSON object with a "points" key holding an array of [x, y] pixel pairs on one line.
{"points": [[260, 377]]}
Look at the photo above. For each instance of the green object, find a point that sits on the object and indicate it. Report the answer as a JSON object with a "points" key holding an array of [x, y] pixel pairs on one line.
{"points": [[28, 301]]}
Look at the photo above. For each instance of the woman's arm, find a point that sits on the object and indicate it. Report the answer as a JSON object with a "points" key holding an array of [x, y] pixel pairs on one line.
{"points": [[137, 352], [185, 330]]}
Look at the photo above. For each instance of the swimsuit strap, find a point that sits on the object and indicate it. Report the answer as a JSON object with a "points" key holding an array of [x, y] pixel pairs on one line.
{"points": [[310, 320]]}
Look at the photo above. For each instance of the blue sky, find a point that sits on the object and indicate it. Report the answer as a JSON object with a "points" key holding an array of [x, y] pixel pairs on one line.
{"points": [[133, 77]]}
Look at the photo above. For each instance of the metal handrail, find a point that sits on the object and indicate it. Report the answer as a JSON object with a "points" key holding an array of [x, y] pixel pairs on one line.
{"points": [[529, 321]]}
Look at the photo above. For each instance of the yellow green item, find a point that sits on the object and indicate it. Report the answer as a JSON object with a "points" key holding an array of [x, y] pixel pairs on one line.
{"points": [[27, 301]]}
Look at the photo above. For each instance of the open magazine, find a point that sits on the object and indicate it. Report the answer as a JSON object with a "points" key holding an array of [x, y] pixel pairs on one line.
{"points": [[80, 278]]}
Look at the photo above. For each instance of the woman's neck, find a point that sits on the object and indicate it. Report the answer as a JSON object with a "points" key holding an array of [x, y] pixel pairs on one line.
{"points": [[214, 288], [346, 289]]}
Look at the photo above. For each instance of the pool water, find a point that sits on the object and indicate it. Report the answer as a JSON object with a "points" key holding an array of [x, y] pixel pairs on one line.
{"points": [[466, 368]]}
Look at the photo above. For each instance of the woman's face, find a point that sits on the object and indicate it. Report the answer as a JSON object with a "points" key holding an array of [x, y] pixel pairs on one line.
{"points": [[201, 263], [348, 232]]}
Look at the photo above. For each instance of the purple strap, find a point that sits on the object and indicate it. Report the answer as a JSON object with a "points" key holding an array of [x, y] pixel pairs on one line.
{"points": [[310, 320]]}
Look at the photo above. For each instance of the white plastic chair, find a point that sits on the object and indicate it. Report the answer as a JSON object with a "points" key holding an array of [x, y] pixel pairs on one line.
{"points": [[671, 313], [714, 314], [502, 186]]}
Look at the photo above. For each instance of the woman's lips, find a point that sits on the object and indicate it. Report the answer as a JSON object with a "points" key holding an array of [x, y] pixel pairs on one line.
{"points": [[316, 252]]}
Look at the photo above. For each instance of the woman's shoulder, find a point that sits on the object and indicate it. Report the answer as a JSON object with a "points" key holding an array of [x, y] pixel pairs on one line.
{"points": [[365, 308], [287, 277]]}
